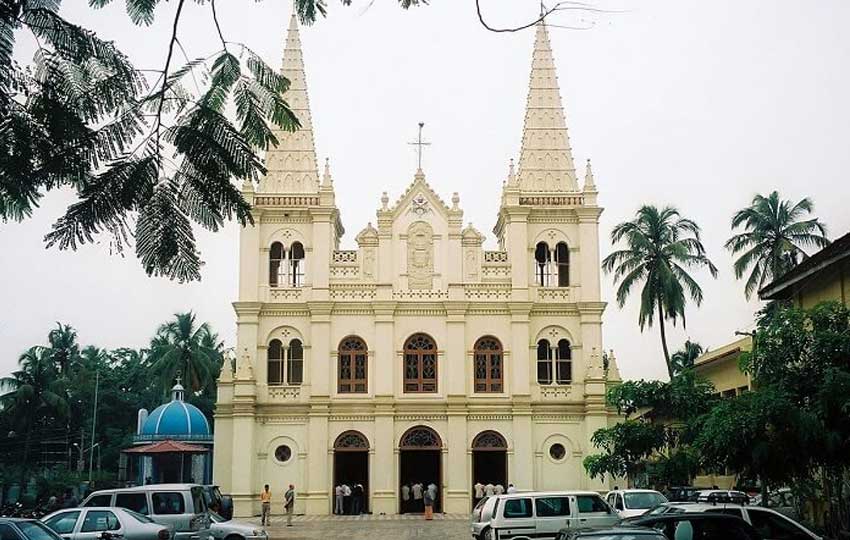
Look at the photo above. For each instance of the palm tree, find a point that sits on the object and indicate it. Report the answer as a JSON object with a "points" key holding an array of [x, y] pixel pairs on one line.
{"points": [[684, 358], [64, 349], [774, 238], [661, 246], [181, 347], [34, 393]]}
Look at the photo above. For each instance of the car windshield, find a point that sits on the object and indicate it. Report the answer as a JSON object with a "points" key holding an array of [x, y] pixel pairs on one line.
{"points": [[139, 517], [34, 530], [642, 501]]}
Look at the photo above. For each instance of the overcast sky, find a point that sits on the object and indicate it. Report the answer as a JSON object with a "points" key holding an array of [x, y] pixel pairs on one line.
{"points": [[685, 102]]}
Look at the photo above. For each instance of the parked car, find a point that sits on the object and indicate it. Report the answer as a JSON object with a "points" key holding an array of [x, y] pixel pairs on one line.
{"points": [[540, 514], [781, 500], [699, 526], [231, 529], [633, 502], [25, 529], [682, 493], [179, 506], [90, 523], [617, 533], [770, 524], [217, 502], [721, 496]]}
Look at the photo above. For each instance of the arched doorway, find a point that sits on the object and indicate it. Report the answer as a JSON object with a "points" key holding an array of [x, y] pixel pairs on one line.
{"points": [[351, 467], [420, 462], [489, 461]]}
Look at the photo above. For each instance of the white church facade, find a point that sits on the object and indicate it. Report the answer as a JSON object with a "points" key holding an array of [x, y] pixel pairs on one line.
{"points": [[420, 356]]}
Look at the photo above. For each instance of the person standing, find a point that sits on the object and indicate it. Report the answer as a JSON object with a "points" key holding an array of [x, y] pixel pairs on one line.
{"points": [[346, 499], [478, 490], [432, 489], [338, 500], [417, 495], [289, 504], [489, 489], [511, 488], [429, 504], [405, 498], [499, 489], [357, 499], [266, 499]]}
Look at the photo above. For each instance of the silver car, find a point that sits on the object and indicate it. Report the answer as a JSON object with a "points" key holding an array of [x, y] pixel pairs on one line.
{"points": [[224, 529], [92, 523]]}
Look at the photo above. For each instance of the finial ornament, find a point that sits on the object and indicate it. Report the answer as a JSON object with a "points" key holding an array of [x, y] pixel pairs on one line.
{"points": [[385, 201], [455, 200], [327, 179], [511, 173], [419, 144], [589, 184]]}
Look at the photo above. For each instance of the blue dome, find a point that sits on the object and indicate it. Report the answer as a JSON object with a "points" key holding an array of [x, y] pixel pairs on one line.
{"points": [[176, 419]]}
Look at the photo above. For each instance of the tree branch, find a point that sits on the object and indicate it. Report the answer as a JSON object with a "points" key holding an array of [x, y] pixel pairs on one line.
{"points": [[165, 80]]}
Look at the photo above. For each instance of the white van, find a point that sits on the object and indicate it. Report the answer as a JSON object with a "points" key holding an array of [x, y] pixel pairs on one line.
{"points": [[522, 516], [634, 502], [179, 506]]}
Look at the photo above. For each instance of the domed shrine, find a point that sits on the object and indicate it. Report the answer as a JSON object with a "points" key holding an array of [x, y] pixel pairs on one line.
{"points": [[173, 443]]}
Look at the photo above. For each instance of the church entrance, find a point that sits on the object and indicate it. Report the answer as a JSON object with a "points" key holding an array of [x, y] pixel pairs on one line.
{"points": [[489, 463], [420, 465], [351, 468]]}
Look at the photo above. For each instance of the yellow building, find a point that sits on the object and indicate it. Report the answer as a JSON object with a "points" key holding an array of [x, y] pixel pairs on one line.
{"points": [[419, 356], [721, 367], [823, 276]]}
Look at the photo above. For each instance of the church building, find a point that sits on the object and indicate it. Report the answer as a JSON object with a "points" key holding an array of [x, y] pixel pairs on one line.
{"points": [[420, 356]]}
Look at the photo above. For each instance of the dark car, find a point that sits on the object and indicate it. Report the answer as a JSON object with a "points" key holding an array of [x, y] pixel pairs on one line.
{"points": [[699, 526], [25, 529], [682, 493], [218, 503], [617, 533]]}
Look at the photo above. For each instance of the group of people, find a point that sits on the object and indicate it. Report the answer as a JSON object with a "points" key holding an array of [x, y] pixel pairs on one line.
{"points": [[417, 497], [288, 504], [489, 490], [349, 499]]}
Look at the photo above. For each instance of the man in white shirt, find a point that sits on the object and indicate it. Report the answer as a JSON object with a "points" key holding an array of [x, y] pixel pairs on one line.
{"points": [[489, 489], [499, 489], [338, 493], [511, 488], [478, 492], [417, 497], [346, 496], [405, 498]]}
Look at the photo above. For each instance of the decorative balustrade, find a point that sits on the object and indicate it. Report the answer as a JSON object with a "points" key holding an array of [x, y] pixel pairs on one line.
{"points": [[348, 256], [487, 291], [285, 294], [353, 292], [426, 295], [555, 392], [286, 200], [284, 393], [495, 257], [556, 294], [552, 200]]}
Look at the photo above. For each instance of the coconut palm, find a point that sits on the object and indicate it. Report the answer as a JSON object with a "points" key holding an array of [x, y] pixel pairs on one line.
{"points": [[33, 394], [684, 358], [661, 247], [774, 238], [183, 347], [63, 349]]}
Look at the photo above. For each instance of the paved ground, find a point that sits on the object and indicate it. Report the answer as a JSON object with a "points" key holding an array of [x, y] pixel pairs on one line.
{"points": [[443, 527]]}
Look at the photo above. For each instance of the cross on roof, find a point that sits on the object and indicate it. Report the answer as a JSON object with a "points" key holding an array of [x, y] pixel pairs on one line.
{"points": [[420, 143], [178, 378]]}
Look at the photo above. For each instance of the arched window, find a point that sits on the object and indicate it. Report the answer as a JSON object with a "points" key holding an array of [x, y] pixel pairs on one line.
{"points": [[544, 362], [352, 366], [562, 258], [420, 364], [543, 266], [563, 363], [275, 362], [295, 362], [296, 263], [275, 263], [488, 363]]}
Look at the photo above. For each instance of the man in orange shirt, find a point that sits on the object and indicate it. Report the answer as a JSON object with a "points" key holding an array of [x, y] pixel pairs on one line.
{"points": [[266, 499]]}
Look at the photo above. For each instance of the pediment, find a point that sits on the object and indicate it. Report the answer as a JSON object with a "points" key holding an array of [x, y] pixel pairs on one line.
{"points": [[420, 200]]}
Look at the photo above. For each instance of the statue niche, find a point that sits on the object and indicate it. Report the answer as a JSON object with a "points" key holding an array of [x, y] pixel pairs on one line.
{"points": [[420, 256]]}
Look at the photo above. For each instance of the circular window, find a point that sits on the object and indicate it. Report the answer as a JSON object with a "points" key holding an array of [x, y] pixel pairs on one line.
{"points": [[283, 453], [557, 451]]}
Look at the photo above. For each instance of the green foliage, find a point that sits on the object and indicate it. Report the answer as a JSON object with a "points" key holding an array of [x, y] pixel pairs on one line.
{"points": [[684, 358], [50, 399], [147, 163], [310, 10], [774, 239], [661, 247], [657, 443]]}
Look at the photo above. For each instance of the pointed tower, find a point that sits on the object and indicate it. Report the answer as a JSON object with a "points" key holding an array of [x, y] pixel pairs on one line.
{"points": [[292, 165], [546, 159]]}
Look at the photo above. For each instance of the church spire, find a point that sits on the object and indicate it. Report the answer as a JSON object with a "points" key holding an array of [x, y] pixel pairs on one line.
{"points": [[546, 159], [292, 164]]}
